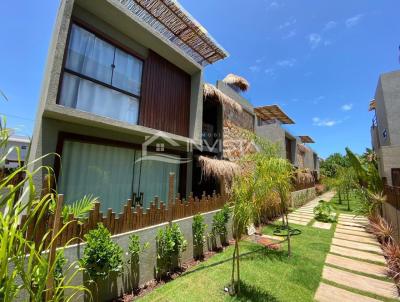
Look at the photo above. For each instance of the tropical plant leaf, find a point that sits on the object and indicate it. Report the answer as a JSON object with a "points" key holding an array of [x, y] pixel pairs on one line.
{"points": [[80, 208]]}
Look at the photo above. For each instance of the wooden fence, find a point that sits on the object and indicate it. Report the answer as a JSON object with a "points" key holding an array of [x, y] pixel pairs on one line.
{"points": [[297, 186], [131, 218], [393, 196]]}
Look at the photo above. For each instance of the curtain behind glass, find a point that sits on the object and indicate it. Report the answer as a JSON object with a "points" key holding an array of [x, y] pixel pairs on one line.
{"points": [[104, 171], [154, 176], [89, 55], [127, 72], [90, 97]]}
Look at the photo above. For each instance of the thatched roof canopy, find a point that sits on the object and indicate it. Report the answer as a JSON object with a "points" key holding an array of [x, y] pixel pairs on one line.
{"points": [[214, 93], [306, 139], [218, 168], [273, 112], [176, 26], [237, 81]]}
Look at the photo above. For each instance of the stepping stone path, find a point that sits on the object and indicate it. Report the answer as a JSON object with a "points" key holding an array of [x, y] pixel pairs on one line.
{"points": [[355, 262], [305, 214]]}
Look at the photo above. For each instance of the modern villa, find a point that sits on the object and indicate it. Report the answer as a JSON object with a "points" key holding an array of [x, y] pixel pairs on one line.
{"points": [[123, 74], [385, 128]]}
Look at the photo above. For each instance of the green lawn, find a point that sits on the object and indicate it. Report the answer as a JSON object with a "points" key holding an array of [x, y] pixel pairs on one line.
{"points": [[266, 275]]}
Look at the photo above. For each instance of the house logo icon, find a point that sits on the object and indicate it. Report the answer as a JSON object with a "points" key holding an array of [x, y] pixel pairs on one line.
{"points": [[161, 140]]}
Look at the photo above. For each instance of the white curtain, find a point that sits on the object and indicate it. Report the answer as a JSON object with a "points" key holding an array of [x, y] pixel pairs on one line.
{"points": [[104, 171], [97, 59], [89, 55], [91, 97], [154, 176]]}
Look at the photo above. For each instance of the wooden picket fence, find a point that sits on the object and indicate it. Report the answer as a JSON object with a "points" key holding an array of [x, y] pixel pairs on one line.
{"points": [[393, 196], [131, 218]]}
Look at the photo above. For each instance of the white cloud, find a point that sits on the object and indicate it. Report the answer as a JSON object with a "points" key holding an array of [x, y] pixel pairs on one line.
{"points": [[254, 68], [289, 35], [353, 21], [325, 122], [286, 63], [270, 72], [347, 107], [288, 23], [314, 40], [330, 25]]}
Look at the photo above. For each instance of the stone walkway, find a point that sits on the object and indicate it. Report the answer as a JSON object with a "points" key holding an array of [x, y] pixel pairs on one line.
{"points": [[354, 263], [305, 214]]}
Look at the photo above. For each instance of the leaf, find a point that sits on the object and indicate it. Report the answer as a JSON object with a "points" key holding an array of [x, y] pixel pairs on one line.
{"points": [[3, 95]]}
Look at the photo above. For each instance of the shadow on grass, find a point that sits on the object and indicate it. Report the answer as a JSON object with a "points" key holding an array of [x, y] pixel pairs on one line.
{"points": [[253, 293]]}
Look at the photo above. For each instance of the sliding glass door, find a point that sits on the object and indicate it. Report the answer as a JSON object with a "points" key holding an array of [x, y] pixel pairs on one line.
{"points": [[113, 174]]}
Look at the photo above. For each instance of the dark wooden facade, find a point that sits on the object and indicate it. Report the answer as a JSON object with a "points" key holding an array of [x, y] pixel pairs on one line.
{"points": [[165, 100], [288, 145]]}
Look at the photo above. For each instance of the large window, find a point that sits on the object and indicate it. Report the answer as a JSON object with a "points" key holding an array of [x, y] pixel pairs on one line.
{"points": [[113, 174], [100, 78]]}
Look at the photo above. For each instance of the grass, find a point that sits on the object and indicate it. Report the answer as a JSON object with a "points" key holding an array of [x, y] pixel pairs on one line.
{"points": [[266, 275]]}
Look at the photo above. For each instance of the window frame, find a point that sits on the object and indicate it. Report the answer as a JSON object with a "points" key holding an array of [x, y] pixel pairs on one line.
{"points": [[114, 43]]}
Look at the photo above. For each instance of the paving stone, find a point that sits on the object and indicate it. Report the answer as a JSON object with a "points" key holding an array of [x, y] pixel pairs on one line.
{"points": [[329, 293], [349, 227], [343, 251], [356, 265], [299, 218], [302, 214], [298, 222], [367, 284], [357, 245], [354, 219], [322, 225], [355, 232], [353, 224], [356, 238]]}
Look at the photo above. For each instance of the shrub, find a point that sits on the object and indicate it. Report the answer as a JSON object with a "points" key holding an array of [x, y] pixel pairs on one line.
{"points": [[324, 212], [170, 245], [220, 220], [391, 251], [134, 248], [198, 228], [101, 256], [381, 229]]}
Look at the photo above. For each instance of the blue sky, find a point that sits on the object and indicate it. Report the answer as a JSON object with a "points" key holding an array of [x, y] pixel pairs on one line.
{"points": [[319, 60]]}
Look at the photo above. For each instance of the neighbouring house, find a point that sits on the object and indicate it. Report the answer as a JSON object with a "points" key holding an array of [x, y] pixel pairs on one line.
{"points": [[385, 128], [13, 159], [122, 100]]}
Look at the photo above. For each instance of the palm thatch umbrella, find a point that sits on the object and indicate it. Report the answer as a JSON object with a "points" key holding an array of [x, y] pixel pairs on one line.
{"points": [[214, 93], [237, 81]]}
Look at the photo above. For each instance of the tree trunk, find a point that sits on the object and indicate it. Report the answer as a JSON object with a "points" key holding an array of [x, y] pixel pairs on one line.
{"points": [[237, 269], [233, 267], [340, 197], [288, 236]]}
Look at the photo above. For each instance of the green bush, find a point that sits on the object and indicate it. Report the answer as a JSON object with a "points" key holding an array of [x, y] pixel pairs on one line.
{"points": [[101, 256], [170, 245], [324, 212], [219, 223], [199, 228], [135, 249]]}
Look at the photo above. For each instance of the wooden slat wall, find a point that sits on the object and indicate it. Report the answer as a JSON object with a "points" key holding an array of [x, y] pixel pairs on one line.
{"points": [[165, 98]]}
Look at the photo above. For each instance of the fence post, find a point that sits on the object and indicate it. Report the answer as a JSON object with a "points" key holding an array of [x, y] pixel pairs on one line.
{"points": [[52, 251]]}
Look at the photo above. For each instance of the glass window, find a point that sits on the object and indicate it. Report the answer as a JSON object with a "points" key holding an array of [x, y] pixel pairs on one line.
{"points": [[100, 78], [91, 97], [113, 174]]}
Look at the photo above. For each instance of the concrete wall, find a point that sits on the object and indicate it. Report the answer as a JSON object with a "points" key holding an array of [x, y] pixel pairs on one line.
{"points": [[299, 198], [123, 284], [388, 158], [114, 20], [275, 134]]}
